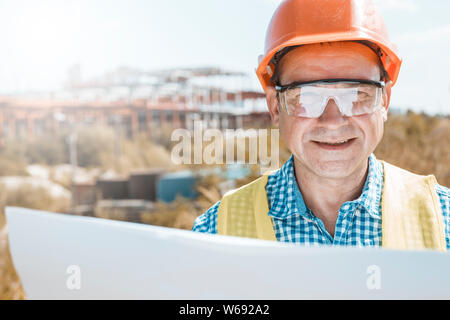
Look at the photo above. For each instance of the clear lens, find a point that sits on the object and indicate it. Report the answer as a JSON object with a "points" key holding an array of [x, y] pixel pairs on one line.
{"points": [[352, 99]]}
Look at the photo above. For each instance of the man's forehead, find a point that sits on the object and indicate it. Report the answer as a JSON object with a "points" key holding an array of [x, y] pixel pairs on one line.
{"points": [[341, 48], [334, 58]]}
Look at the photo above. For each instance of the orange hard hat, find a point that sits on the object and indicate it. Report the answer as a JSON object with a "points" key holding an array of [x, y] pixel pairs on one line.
{"points": [[298, 22]]}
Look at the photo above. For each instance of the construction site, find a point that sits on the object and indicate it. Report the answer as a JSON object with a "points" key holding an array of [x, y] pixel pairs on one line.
{"points": [[127, 107], [137, 101], [102, 147]]}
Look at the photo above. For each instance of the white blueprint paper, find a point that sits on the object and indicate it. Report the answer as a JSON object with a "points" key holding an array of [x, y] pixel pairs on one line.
{"points": [[70, 257]]}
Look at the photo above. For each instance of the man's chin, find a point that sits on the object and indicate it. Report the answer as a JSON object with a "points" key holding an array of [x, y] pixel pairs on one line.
{"points": [[334, 169]]}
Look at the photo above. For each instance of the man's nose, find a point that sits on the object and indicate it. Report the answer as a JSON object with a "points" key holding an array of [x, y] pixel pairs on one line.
{"points": [[332, 116]]}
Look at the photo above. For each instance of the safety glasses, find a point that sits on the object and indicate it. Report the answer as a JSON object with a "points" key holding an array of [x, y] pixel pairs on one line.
{"points": [[353, 97]]}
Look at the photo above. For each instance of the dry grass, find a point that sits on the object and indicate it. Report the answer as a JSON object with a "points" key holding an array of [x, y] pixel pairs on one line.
{"points": [[10, 286], [29, 197], [180, 214], [139, 153], [418, 143]]}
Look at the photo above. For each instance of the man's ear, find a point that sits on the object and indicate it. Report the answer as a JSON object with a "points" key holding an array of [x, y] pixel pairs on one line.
{"points": [[386, 99], [273, 104]]}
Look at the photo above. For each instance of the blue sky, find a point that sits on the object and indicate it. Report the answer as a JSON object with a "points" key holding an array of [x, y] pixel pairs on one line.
{"points": [[41, 39]]}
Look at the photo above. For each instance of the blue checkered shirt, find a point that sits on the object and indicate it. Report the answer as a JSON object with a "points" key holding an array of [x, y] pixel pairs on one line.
{"points": [[358, 222]]}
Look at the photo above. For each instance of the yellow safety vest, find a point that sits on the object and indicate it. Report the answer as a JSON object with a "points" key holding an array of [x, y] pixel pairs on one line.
{"points": [[411, 212]]}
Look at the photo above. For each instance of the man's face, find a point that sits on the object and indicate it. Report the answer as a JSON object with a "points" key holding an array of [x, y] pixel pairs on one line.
{"points": [[310, 140]]}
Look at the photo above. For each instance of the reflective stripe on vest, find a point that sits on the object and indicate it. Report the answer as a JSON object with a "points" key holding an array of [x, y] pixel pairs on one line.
{"points": [[411, 212]]}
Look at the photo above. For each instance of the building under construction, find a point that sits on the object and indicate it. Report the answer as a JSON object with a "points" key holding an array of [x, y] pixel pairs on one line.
{"points": [[138, 101]]}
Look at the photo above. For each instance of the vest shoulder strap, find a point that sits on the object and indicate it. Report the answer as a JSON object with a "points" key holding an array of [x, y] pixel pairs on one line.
{"points": [[411, 212], [244, 212]]}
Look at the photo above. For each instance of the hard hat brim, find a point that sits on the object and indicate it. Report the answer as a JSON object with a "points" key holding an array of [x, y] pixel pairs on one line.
{"points": [[388, 52]]}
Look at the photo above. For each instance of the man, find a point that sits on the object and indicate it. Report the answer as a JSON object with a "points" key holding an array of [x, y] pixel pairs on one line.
{"points": [[328, 72]]}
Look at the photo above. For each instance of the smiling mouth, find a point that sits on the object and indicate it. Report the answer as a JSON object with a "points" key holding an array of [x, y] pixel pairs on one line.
{"points": [[335, 144]]}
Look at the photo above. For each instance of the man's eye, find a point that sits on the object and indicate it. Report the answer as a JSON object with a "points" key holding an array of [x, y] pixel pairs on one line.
{"points": [[363, 94]]}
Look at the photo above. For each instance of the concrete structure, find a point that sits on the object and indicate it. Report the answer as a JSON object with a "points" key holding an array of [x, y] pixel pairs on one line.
{"points": [[136, 102]]}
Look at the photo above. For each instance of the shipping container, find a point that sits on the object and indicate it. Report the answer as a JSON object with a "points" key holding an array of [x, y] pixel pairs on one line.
{"points": [[178, 183]]}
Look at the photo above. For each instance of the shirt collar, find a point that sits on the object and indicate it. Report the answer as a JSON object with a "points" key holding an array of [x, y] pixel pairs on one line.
{"points": [[370, 197], [286, 184]]}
